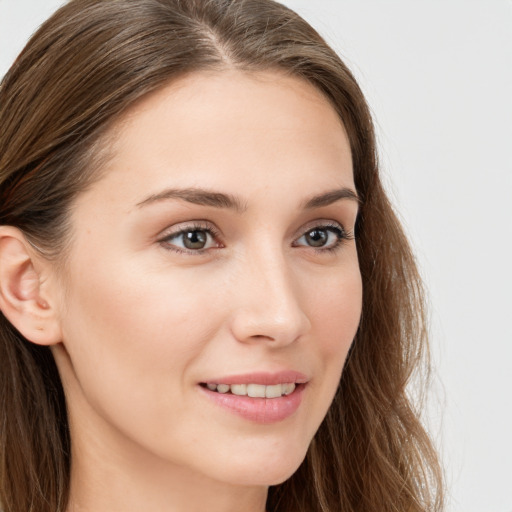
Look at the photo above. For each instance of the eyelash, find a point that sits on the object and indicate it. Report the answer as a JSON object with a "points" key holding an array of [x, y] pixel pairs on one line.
{"points": [[341, 234], [198, 226]]}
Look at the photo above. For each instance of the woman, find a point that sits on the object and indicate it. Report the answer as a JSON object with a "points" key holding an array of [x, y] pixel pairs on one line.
{"points": [[207, 301]]}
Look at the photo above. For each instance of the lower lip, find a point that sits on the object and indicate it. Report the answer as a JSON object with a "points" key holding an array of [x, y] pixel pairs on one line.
{"points": [[258, 410]]}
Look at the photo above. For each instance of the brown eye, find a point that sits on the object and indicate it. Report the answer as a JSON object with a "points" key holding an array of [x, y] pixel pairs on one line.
{"points": [[196, 239], [317, 237], [192, 239], [322, 237]]}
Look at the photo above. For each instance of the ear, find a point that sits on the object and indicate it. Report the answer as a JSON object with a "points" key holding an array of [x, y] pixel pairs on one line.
{"points": [[24, 296]]}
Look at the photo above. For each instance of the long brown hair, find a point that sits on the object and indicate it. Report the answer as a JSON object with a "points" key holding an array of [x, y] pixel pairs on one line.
{"points": [[79, 72]]}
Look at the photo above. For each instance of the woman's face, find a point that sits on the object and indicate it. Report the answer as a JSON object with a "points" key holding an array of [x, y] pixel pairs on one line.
{"points": [[213, 258]]}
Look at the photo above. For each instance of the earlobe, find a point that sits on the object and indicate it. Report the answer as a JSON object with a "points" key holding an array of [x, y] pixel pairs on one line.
{"points": [[23, 299]]}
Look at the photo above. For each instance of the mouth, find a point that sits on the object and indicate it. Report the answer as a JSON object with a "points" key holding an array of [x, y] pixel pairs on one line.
{"points": [[262, 398], [253, 390]]}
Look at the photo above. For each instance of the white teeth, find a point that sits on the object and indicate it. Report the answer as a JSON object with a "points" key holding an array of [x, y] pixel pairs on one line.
{"points": [[254, 390], [288, 389], [239, 389], [273, 391]]}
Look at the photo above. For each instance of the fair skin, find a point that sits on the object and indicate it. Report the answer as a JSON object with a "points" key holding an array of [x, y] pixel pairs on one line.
{"points": [[168, 288]]}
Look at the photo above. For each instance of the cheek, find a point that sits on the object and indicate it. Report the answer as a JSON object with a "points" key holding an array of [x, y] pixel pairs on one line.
{"points": [[335, 314], [336, 311], [132, 334]]}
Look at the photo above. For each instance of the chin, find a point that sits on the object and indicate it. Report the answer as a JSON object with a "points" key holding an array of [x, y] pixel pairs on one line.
{"points": [[268, 471], [274, 477]]}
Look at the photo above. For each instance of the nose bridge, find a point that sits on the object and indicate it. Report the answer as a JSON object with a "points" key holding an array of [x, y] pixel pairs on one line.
{"points": [[269, 304]]}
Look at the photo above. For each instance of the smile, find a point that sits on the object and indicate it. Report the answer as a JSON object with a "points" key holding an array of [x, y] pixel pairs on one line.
{"points": [[254, 390], [257, 402]]}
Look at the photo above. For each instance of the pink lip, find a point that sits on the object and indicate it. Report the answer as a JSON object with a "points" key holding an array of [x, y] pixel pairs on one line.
{"points": [[264, 378], [260, 410]]}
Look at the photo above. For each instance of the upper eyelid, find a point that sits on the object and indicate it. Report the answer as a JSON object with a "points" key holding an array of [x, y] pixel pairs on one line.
{"points": [[203, 224], [181, 227], [320, 223]]}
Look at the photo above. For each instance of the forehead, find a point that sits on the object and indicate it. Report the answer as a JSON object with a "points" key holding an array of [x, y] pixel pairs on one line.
{"points": [[230, 129]]}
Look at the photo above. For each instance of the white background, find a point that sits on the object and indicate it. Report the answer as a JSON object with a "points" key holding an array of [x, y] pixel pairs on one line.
{"points": [[438, 76]]}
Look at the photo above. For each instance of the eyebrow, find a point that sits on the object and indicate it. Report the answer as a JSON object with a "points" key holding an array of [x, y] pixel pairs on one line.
{"points": [[221, 200], [327, 198], [198, 196]]}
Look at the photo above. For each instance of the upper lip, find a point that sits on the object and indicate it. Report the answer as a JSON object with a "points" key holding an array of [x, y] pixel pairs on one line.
{"points": [[264, 378]]}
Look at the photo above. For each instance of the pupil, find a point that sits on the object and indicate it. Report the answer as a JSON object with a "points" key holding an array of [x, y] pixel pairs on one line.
{"points": [[317, 237], [195, 239]]}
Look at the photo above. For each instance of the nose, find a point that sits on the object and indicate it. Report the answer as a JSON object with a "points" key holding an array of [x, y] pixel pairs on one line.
{"points": [[268, 304]]}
